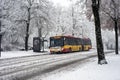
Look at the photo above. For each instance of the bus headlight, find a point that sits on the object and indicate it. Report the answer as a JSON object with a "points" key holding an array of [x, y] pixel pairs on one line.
{"points": [[62, 49]]}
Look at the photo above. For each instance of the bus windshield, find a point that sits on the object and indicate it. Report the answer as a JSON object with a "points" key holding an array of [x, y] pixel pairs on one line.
{"points": [[56, 42]]}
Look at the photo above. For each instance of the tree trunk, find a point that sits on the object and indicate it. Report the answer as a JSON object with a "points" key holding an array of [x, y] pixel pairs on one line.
{"points": [[27, 31], [27, 37], [101, 56], [73, 21], [119, 30], [40, 32], [0, 35], [0, 44], [0, 38], [116, 37]]}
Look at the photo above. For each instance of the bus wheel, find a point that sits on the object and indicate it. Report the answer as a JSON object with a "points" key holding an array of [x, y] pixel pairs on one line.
{"points": [[88, 48], [59, 52], [51, 53], [80, 49], [70, 50]]}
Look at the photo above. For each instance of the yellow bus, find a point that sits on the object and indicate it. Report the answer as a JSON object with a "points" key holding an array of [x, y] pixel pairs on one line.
{"points": [[63, 44]]}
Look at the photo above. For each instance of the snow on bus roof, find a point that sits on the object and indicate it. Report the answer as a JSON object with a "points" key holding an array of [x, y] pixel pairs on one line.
{"points": [[86, 38], [69, 36]]}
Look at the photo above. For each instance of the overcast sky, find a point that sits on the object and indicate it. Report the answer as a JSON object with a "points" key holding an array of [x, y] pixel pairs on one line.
{"points": [[63, 3]]}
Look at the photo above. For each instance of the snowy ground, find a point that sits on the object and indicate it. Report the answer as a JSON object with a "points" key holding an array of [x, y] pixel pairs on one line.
{"points": [[92, 71], [11, 54], [87, 71]]}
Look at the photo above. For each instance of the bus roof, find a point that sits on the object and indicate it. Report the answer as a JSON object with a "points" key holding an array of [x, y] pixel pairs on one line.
{"points": [[63, 36]]}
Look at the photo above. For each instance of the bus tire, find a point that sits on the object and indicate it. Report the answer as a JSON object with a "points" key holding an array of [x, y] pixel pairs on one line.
{"points": [[70, 50], [80, 49]]}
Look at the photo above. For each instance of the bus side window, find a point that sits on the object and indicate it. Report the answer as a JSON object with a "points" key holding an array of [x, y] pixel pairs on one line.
{"points": [[65, 41], [69, 41]]}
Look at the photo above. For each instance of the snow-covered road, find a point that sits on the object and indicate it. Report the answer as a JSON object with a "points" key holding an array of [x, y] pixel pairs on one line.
{"points": [[30, 66]]}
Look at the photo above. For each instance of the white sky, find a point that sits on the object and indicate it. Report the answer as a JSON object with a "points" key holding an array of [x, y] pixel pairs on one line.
{"points": [[63, 3]]}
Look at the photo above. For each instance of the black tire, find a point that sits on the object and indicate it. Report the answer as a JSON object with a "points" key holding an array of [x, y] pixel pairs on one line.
{"points": [[70, 50], [82, 47]]}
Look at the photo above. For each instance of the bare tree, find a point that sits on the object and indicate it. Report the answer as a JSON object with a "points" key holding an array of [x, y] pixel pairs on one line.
{"points": [[42, 18], [100, 51], [113, 11], [73, 20], [27, 18], [73, 17], [5, 9], [28, 23], [36, 12]]}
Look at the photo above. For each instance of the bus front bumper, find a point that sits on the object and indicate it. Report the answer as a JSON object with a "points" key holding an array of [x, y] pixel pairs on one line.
{"points": [[55, 50]]}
